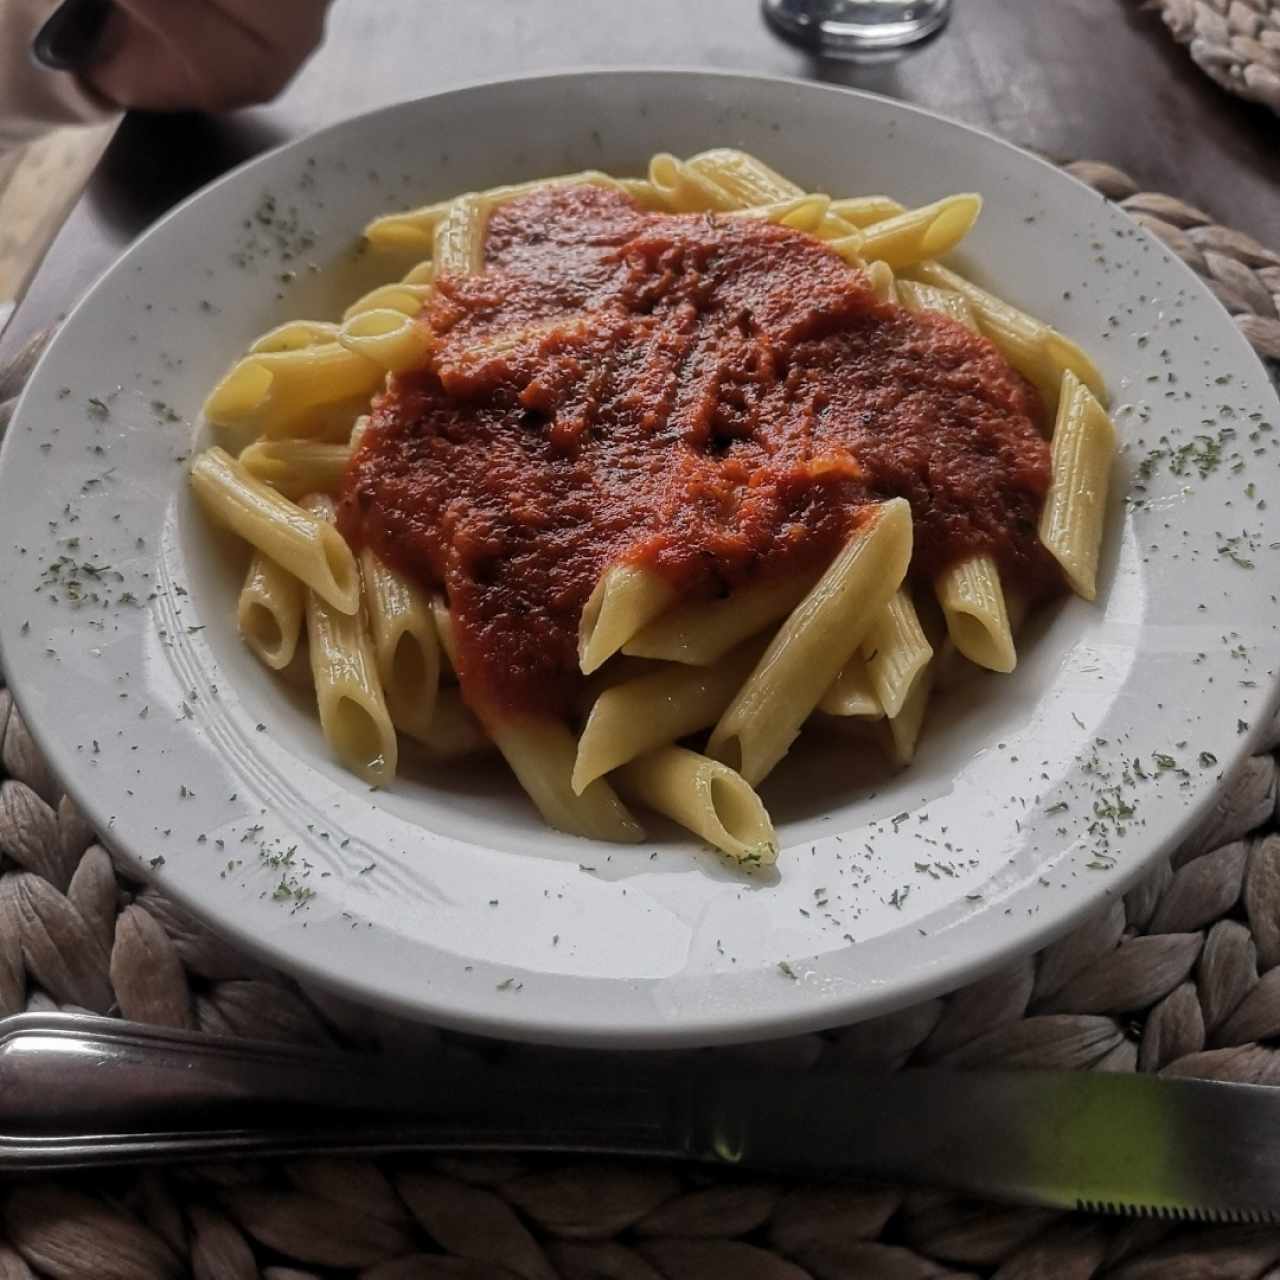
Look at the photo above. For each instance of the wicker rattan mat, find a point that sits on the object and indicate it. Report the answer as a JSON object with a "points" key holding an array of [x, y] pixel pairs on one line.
{"points": [[1235, 42], [1181, 976]]}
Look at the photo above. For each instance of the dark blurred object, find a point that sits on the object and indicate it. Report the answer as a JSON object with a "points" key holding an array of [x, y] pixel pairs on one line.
{"points": [[71, 38]]}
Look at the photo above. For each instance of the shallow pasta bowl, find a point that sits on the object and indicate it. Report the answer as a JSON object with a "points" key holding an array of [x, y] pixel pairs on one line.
{"points": [[1032, 799]]}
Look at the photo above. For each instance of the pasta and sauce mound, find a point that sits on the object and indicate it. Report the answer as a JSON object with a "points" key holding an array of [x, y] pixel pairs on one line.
{"points": [[640, 463]]}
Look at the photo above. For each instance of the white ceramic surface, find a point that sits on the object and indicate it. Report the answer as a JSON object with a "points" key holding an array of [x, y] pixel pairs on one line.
{"points": [[444, 896]]}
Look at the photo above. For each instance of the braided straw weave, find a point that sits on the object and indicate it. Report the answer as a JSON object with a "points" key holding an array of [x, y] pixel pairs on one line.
{"points": [[1236, 42], [1181, 976]]}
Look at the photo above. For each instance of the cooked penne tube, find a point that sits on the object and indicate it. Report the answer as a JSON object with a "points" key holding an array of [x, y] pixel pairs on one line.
{"points": [[657, 709], [270, 611], [1075, 508], [295, 335], [744, 177], [863, 211], [973, 604], [458, 238], [749, 182], [296, 468], [883, 285], [410, 232], [277, 390], [703, 630], [706, 797], [408, 299], [1041, 354], [684, 190], [802, 213], [541, 753], [391, 339], [423, 272], [353, 711], [618, 670], [904, 728], [895, 652], [919, 297], [814, 643], [414, 230], [926, 232], [405, 644], [444, 633], [851, 694], [454, 733], [625, 598], [642, 191], [309, 548]]}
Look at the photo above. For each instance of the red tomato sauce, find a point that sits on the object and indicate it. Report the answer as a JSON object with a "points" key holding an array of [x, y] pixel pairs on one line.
{"points": [[717, 398]]}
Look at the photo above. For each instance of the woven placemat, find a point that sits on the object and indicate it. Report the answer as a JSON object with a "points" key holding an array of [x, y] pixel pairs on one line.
{"points": [[1180, 976], [1236, 42]]}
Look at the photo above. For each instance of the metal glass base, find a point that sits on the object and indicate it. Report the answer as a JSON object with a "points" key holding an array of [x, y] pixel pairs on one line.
{"points": [[855, 28]]}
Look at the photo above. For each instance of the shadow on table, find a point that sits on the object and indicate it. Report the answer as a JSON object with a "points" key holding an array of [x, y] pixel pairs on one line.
{"points": [[154, 161]]}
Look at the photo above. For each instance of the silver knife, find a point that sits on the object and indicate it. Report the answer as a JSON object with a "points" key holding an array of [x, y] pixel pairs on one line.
{"points": [[79, 1090]]}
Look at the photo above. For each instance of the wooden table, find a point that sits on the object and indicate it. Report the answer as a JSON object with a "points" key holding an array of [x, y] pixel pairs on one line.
{"points": [[1072, 78]]}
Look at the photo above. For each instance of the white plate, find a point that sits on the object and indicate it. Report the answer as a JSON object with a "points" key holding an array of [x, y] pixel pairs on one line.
{"points": [[447, 898]]}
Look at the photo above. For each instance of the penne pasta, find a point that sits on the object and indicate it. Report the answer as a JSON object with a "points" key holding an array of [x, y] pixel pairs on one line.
{"points": [[814, 643], [405, 645], [457, 246], [393, 340], [926, 232], [801, 213], [904, 728], [276, 391], [706, 797], [657, 709], [309, 548], [643, 192], [851, 695], [745, 178], [895, 652], [414, 230], [295, 335], [444, 633], [1041, 354], [919, 297], [863, 211], [883, 285], [296, 468], [454, 733], [408, 299], [702, 631], [977, 618], [541, 753], [353, 711], [269, 611], [423, 272], [683, 189], [625, 598], [750, 182], [1075, 507]]}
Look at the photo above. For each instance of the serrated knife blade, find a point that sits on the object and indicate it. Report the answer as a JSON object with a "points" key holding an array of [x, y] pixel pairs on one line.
{"points": [[1099, 1142]]}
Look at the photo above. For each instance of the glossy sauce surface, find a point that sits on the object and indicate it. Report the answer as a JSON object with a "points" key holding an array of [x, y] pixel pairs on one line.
{"points": [[715, 397]]}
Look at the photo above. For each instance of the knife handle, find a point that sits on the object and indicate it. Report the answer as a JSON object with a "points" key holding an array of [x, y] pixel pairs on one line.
{"points": [[79, 1090], [71, 37]]}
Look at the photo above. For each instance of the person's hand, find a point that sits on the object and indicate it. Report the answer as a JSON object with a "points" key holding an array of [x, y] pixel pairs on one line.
{"points": [[203, 55]]}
